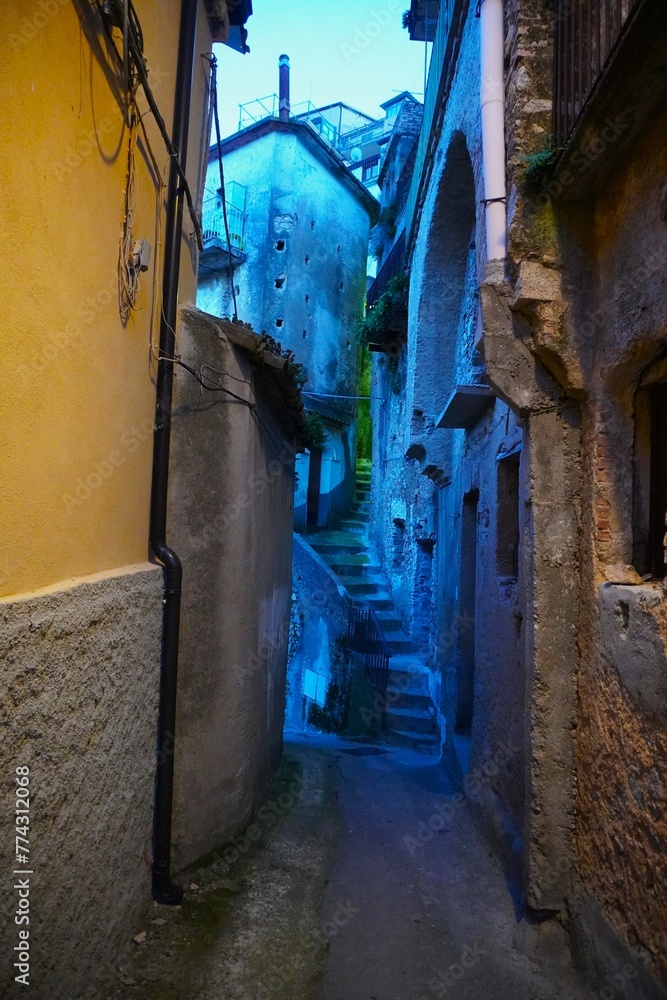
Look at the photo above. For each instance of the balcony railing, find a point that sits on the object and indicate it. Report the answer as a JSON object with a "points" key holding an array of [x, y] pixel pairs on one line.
{"points": [[213, 223], [392, 265], [586, 33], [432, 102]]}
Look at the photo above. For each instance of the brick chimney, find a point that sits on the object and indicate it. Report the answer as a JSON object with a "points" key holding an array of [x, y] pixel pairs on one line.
{"points": [[284, 105]]}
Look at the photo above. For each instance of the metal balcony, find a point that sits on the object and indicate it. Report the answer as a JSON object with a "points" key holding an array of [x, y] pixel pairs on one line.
{"points": [[216, 252], [587, 32]]}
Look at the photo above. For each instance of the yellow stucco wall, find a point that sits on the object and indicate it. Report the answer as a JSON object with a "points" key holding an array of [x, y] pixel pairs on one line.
{"points": [[76, 392]]}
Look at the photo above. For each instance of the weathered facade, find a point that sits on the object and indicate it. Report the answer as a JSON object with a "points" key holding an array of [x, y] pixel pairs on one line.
{"points": [[519, 458], [82, 598], [299, 273]]}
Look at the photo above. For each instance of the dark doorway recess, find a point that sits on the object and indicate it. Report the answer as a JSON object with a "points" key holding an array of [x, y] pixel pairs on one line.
{"points": [[314, 477], [466, 622]]}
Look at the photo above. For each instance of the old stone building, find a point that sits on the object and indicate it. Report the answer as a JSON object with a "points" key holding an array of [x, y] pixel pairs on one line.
{"points": [[518, 499], [299, 222]]}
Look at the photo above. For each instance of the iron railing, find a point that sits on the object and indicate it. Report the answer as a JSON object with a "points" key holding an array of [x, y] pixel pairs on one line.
{"points": [[364, 636], [586, 33], [213, 223], [392, 265]]}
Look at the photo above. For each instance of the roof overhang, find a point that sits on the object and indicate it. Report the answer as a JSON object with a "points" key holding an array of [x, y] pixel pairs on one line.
{"points": [[227, 20]]}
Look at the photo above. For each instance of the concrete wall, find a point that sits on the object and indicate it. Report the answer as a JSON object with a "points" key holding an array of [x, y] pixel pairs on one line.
{"points": [[78, 705], [230, 520]]}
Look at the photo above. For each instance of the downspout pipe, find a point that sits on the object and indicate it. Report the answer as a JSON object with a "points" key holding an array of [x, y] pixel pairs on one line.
{"points": [[164, 890], [492, 96]]}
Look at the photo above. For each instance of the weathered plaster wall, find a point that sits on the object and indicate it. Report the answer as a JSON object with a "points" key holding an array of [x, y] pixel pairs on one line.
{"points": [[295, 201], [230, 520], [76, 460], [622, 751], [303, 283], [78, 705], [319, 620]]}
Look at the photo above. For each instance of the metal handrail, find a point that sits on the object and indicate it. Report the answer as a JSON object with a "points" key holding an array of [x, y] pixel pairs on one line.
{"points": [[364, 636]]}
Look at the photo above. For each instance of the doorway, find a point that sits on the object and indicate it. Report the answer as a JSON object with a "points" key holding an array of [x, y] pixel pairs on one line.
{"points": [[466, 624], [313, 496]]}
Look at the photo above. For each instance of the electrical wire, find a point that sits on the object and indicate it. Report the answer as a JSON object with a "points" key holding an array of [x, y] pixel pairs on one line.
{"points": [[111, 15], [128, 267], [214, 104]]}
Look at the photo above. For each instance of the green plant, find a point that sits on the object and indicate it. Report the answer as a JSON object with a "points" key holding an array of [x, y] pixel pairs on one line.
{"points": [[387, 220], [293, 367], [540, 163], [393, 300], [315, 436]]}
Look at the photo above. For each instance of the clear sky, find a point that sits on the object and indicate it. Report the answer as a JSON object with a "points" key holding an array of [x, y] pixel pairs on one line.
{"points": [[354, 51]]}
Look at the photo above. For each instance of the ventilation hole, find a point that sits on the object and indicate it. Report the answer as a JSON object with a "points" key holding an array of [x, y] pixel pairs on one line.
{"points": [[305, 334], [280, 245], [280, 281], [307, 298], [338, 248], [306, 259], [279, 322], [340, 285], [312, 224]]}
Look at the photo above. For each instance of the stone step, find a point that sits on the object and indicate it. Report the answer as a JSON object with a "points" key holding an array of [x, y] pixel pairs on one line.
{"points": [[344, 565], [423, 742], [361, 585], [381, 601], [330, 548], [364, 463], [353, 526], [399, 642], [411, 720], [408, 696], [361, 507], [363, 482], [389, 621], [363, 495]]}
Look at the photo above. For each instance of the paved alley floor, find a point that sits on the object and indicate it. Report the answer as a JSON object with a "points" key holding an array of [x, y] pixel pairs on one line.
{"points": [[341, 890]]}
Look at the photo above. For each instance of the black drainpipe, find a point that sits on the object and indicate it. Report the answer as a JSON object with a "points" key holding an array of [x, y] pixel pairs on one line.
{"points": [[164, 890]]}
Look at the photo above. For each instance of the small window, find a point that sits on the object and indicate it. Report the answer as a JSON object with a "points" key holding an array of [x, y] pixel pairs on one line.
{"points": [[371, 170], [507, 509], [650, 487]]}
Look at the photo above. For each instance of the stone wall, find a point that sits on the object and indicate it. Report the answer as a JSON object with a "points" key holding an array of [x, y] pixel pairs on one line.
{"points": [[78, 706], [230, 520]]}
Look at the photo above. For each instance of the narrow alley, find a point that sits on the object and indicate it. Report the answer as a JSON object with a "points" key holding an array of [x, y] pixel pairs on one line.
{"points": [[364, 877], [333, 494]]}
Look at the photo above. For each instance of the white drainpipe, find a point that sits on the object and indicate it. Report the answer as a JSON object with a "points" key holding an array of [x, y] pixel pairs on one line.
{"points": [[493, 127]]}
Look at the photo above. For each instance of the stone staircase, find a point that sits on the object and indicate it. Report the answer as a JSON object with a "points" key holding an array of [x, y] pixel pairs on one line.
{"points": [[410, 714]]}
